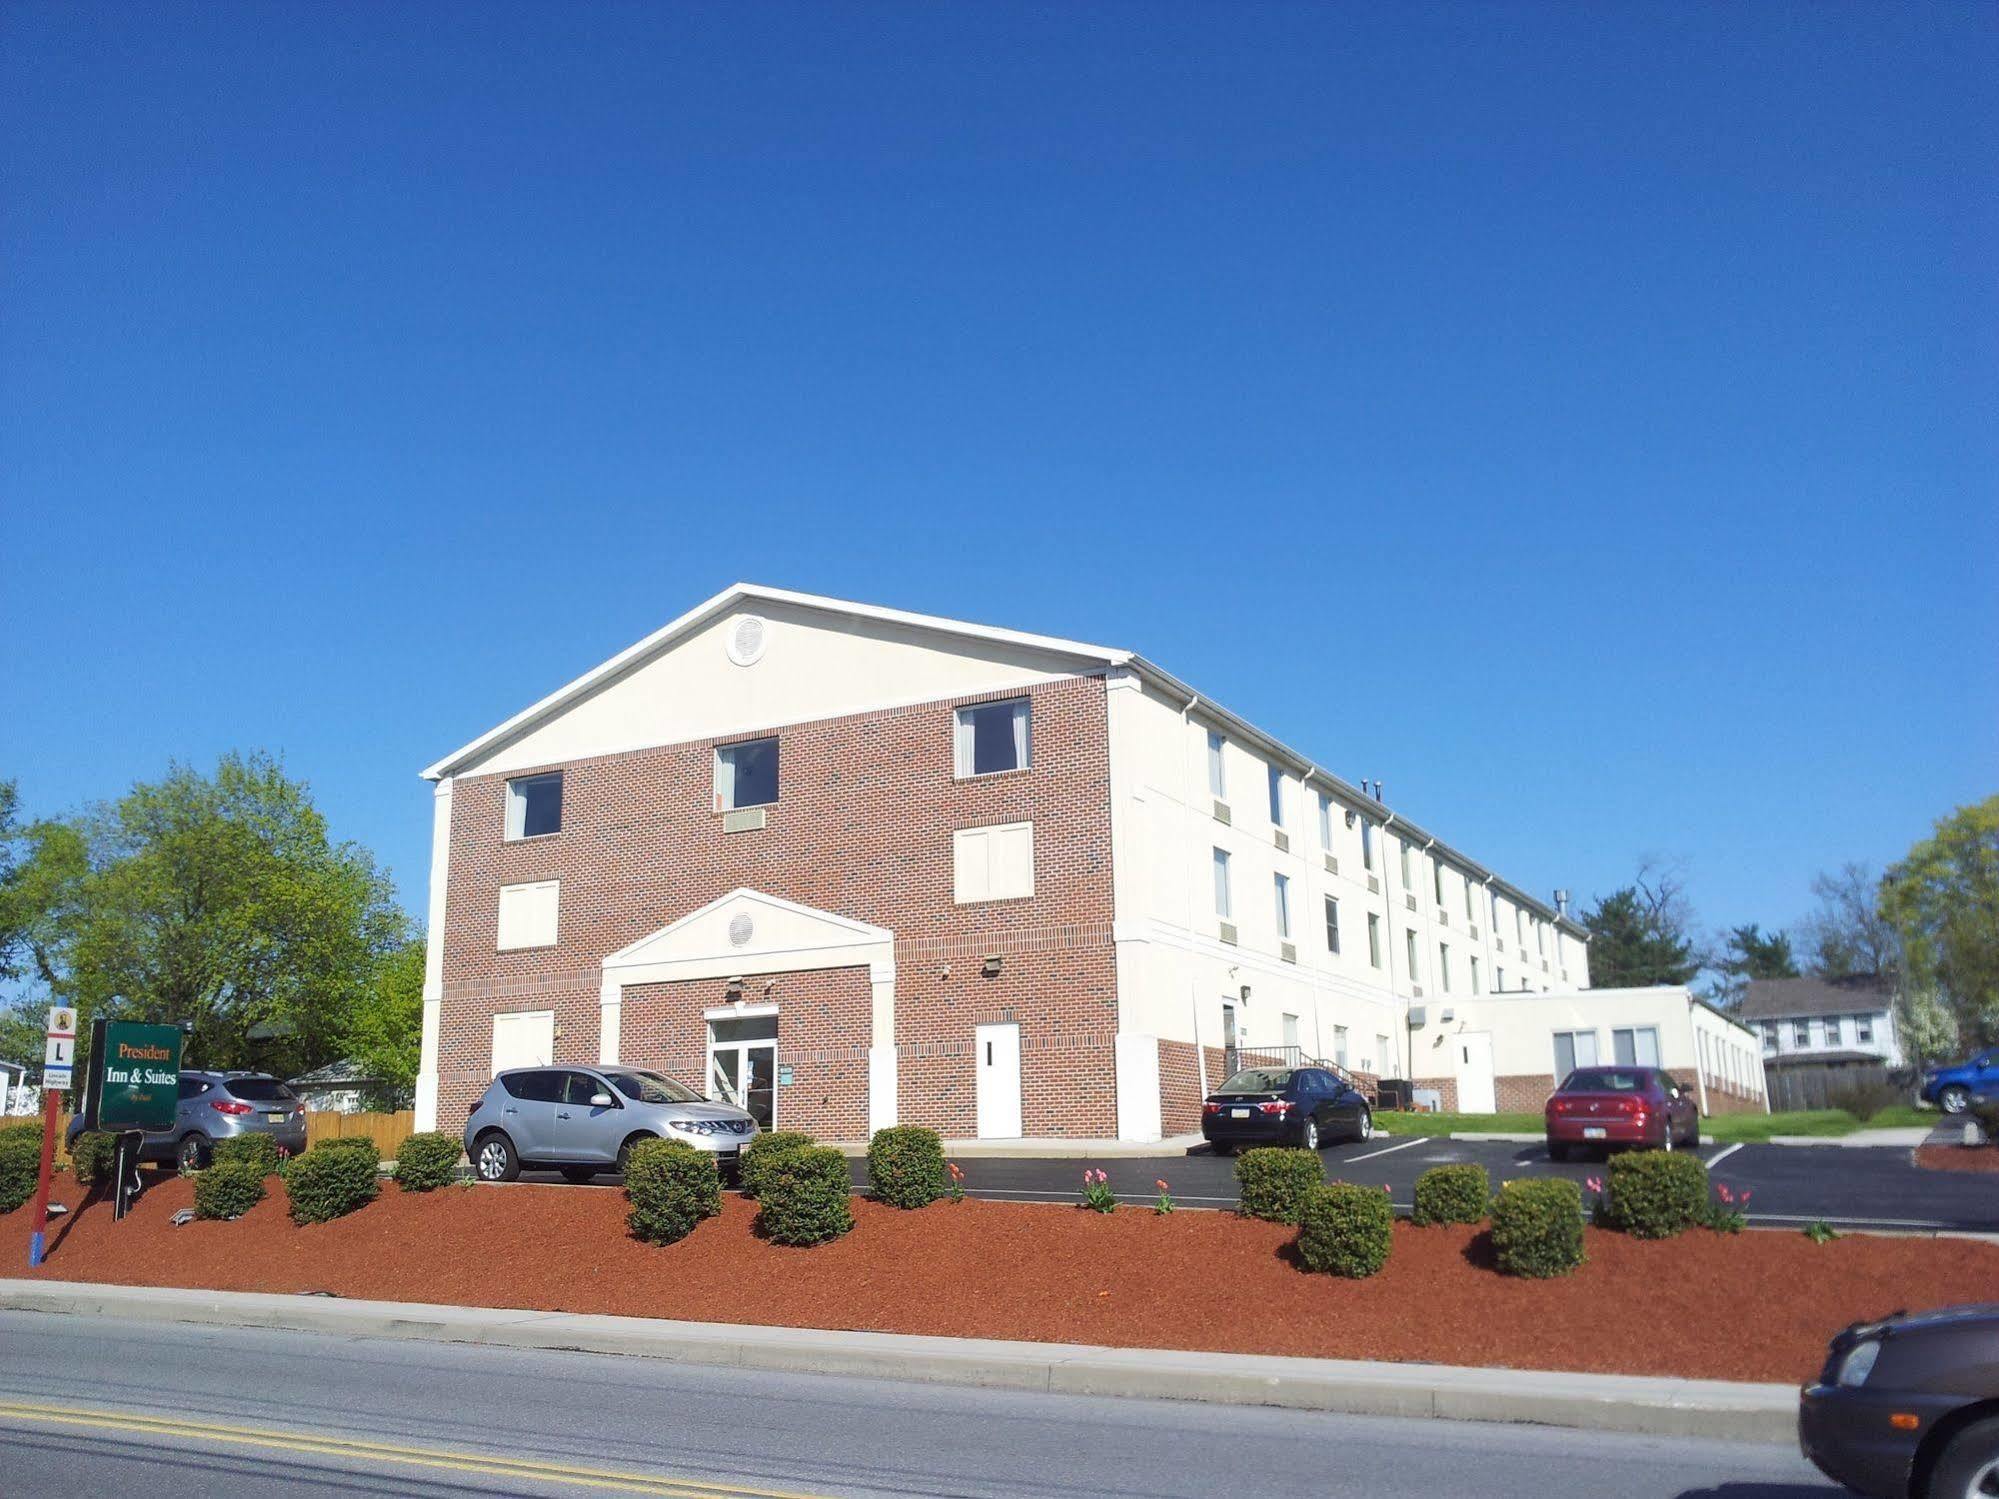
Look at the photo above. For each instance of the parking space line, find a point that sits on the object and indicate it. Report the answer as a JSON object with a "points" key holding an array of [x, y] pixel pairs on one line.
{"points": [[1721, 1155], [1355, 1160]]}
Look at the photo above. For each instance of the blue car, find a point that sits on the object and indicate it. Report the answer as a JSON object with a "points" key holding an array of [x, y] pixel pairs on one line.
{"points": [[1952, 1088]]}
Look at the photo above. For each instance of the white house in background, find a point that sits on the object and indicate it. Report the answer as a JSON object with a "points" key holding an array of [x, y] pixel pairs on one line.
{"points": [[1848, 1021]]}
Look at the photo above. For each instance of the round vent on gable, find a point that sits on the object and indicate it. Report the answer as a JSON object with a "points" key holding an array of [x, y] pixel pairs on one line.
{"points": [[741, 929], [746, 640]]}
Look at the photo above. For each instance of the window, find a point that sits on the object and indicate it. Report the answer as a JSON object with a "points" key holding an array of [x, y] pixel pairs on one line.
{"points": [[1367, 843], [1332, 924], [1290, 1030], [1444, 966], [1540, 930], [1218, 779], [1769, 1035], [1405, 863], [995, 863], [1832, 1030], [1574, 1049], [1222, 907], [1276, 797], [1520, 926], [528, 914], [1474, 975], [1863, 1030], [1409, 943], [1374, 939], [1284, 906], [1325, 821], [1229, 1036], [1495, 912], [1471, 911], [746, 775], [993, 737], [1801, 1034], [1635, 1047], [1499, 980], [1437, 879], [1340, 1044], [534, 806]]}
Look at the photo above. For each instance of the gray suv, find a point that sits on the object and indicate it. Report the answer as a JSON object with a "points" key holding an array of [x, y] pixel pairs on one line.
{"points": [[219, 1106], [583, 1120]]}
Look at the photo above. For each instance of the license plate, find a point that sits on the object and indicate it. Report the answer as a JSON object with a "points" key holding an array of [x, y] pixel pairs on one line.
{"points": [[1238, 1113], [276, 1118], [1592, 1132]]}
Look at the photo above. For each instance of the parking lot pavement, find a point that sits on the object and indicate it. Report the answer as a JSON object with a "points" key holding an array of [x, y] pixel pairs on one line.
{"points": [[1852, 1187]]}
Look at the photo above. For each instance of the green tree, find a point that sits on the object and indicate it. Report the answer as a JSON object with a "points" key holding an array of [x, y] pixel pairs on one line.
{"points": [[1925, 1026], [1748, 954], [219, 901], [1638, 935], [384, 1034], [1943, 903], [1846, 936]]}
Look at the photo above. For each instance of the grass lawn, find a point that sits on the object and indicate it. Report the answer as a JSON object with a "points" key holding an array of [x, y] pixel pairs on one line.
{"points": [[1727, 1128]]}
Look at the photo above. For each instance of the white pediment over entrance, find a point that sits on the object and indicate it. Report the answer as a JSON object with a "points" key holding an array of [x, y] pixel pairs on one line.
{"points": [[747, 931]]}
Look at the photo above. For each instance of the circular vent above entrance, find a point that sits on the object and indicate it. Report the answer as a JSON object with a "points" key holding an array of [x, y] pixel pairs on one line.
{"points": [[741, 929], [746, 640]]}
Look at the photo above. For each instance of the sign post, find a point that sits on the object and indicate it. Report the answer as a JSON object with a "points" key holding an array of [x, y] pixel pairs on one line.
{"points": [[134, 1087], [57, 1059]]}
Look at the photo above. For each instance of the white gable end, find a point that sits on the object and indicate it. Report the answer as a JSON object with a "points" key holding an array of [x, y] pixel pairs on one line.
{"points": [[746, 931]]}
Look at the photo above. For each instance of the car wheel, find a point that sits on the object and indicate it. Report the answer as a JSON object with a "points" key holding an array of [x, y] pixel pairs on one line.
{"points": [[1309, 1138], [1365, 1131], [1954, 1098], [1969, 1466], [494, 1158], [625, 1150], [1557, 1151], [1220, 1149], [1666, 1142], [579, 1174], [194, 1153]]}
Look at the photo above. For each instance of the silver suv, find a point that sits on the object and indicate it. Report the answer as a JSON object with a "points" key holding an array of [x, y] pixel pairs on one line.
{"points": [[219, 1106], [583, 1120]]}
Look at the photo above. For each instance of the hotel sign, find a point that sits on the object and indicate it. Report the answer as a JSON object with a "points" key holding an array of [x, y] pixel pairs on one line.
{"points": [[141, 1076]]}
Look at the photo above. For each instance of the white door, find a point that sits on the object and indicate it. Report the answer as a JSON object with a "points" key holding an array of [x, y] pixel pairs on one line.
{"points": [[1474, 1065], [523, 1038], [999, 1081]]}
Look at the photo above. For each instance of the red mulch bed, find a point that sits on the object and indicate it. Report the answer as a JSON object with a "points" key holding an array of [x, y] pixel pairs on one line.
{"points": [[1758, 1306], [1958, 1157]]}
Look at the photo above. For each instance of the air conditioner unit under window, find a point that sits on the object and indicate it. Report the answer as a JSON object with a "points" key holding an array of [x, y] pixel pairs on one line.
{"points": [[1228, 932], [1288, 951], [1282, 839], [1332, 865], [1221, 811]]}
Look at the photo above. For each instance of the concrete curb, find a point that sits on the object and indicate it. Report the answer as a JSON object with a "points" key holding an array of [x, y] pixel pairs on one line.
{"points": [[1594, 1402]]}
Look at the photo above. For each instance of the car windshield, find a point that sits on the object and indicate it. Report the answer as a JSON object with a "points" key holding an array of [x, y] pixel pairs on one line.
{"points": [[1259, 1080], [651, 1087], [260, 1090], [1605, 1080]]}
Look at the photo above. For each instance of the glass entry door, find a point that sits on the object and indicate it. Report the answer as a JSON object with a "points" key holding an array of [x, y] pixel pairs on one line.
{"points": [[742, 1065]]}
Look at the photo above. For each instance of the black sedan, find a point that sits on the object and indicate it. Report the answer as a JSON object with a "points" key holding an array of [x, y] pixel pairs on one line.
{"points": [[1909, 1407], [1308, 1106]]}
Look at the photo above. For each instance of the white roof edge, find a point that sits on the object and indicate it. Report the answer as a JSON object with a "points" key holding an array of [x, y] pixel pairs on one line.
{"points": [[737, 593]]}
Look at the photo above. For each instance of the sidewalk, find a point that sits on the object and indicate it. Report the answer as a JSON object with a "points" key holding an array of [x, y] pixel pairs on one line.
{"points": [[1595, 1402]]}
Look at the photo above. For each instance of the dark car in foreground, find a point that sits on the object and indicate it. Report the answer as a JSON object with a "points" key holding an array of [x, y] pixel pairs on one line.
{"points": [[1601, 1107], [1951, 1087], [1309, 1106], [1908, 1407], [220, 1106]]}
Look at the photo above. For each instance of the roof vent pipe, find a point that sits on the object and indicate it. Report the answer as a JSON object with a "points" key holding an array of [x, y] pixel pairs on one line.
{"points": [[1561, 903]]}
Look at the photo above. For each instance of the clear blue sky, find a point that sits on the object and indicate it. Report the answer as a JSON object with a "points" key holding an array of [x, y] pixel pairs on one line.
{"points": [[1580, 417]]}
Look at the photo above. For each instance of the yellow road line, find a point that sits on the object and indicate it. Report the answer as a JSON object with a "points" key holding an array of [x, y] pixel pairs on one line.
{"points": [[134, 1423]]}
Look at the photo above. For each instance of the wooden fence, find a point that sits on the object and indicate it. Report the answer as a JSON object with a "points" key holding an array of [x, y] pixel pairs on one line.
{"points": [[388, 1131]]}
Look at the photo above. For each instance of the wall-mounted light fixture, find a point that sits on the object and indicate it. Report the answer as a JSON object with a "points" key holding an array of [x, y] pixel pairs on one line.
{"points": [[1244, 992], [991, 967]]}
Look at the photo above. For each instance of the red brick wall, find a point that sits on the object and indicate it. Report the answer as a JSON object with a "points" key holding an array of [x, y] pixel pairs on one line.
{"points": [[1447, 1090], [1523, 1093], [1180, 1088], [863, 829]]}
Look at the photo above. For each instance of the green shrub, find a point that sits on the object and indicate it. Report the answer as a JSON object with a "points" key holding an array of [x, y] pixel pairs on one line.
{"points": [[428, 1161], [229, 1189], [1864, 1100], [347, 1142], [1537, 1227], [807, 1198], [23, 1127], [260, 1151], [761, 1152], [1452, 1194], [1345, 1230], [20, 1167], [906, 1166], [93, 1157], [1655, 1194], [671, 1187], [1272, 1181], [325, 1184]]}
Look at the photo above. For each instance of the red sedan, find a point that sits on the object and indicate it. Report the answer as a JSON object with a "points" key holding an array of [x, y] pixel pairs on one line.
{"points": [[1598, 1107]]}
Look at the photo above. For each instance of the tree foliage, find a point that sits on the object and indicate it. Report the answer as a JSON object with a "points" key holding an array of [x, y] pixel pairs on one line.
{"points": [[1748, 954], [1942, 901], [1640, 935], [1846, 936]]}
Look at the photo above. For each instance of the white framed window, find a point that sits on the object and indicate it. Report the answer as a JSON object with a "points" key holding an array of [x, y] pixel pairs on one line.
{"points": [[1223, 906], [1290, 1030], [1325, 822], [1373, 939], [994, 737], [529, 914], [1332, 924], [1637, 1046], [1406, 884], [1769, 1036], [746, 774], [1276, 779], [1573, 1049], [1415, 962], [1499, 979], [1366, 844], [1471, 911], [1801, 1034], [1474, 976], [534, 806], [1540, 935], [1283, 883], [1863, 1030], [1833, 1031], [1444, 966], [1520, 927], [1218, 770], [1437, 880], [523, 1038], [1494, 896], [992, 863], [1340, 1044]]}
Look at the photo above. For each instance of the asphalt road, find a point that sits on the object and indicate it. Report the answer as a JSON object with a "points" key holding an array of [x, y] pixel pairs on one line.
{"points": [[90, 1407]]}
